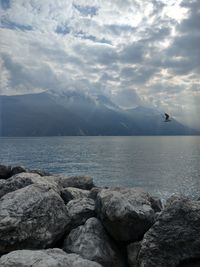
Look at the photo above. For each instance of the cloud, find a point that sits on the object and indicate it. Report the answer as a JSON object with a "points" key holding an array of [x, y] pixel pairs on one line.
{"points": [[127, 98], [86, 10], [5, 4], [128, 49]]}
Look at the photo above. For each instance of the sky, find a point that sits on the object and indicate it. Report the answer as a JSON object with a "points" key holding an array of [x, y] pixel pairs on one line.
{"points": [[136, 52]]}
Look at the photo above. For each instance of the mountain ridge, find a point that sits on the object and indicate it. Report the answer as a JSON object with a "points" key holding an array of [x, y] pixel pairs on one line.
{"points": [[74, 113]]}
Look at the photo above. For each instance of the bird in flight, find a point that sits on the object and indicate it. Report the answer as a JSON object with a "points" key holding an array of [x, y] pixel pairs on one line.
{"points": [[167, 117]]}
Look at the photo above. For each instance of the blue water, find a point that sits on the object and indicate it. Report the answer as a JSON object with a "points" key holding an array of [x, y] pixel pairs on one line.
{"points": [[160, 165]]}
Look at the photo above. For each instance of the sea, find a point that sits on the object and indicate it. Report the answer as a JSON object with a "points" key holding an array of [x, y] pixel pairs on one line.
{"points": [[161, 165]]}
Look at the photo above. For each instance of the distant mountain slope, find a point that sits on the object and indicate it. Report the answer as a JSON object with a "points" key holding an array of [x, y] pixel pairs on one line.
{"points": [[75, 113], [37, 115], [150, 121]]}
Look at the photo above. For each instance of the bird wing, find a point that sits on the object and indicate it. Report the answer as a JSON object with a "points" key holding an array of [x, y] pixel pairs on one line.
{"points": [[166, 116]]}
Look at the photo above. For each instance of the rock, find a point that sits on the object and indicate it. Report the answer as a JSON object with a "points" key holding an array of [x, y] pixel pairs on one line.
{"points": [[133, 252], [174, 237], [176, 197], [32, 217], [94, 192], [190, 263], [91, 242], [82, 182], [5, 171], [40, 172], [79, 210], [126, 213], [70, 193], [44, 258], [17, 169], [2, 181], [24, 179], [8, 171], [156, 204]]}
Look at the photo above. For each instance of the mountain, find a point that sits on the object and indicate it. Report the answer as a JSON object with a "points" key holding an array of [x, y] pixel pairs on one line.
{"points": [[76, 113], [150, 121], [37, 115]]}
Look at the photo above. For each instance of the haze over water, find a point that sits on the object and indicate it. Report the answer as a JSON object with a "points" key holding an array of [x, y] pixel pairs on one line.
{"points": [[160, 165]]}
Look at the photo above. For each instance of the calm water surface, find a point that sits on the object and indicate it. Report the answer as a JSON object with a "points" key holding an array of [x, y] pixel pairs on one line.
{"points": [[160, 165]]}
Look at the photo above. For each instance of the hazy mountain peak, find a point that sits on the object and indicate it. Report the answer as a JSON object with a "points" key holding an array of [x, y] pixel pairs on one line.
{"points": [[75, 113]]}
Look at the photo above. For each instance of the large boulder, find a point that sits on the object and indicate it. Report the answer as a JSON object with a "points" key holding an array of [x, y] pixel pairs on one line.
{"points": [[40, 172], [44, 258], [70, 193], [174, 237], [133, 250], [5, 171], [17, 169], [8, 171], [24, 179], [2, 181], [82, 182], [190, 263], [92, 242], [32, 217], [79, 210], [126, 213], [94, 192]]}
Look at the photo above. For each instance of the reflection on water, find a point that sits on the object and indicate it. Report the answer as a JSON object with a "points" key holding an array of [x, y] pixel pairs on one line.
{"points": [[160, 165]]}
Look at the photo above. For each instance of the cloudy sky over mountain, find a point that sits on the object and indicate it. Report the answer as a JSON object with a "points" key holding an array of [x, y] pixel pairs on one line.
{"points": [[134, 51]]}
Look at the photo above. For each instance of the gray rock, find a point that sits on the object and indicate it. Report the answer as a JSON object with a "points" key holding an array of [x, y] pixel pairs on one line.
{"points": [[44, 258], [40, 172], [126, 213], [8, 171], [190, 263], [176, 197], [156, 204], [82, 182], [174, 237], [5, 171], [17, 169], [133, 252], [94, 192], [79, 210], [22, 180], [2, 181], [32, 217], [91, 242], [70, 193]]}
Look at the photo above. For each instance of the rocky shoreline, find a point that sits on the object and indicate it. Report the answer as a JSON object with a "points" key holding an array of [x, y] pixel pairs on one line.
{"points": [[57, 221]]}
